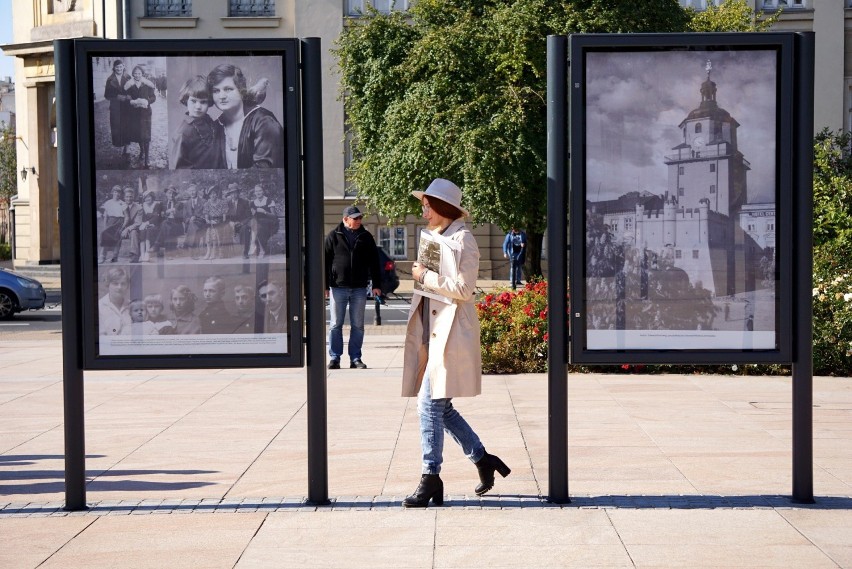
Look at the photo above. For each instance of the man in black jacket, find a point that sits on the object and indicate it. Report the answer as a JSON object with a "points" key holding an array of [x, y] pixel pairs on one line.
{"points": [[351, 262]]}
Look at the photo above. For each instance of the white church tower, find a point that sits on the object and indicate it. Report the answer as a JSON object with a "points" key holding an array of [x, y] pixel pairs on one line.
{"points": [[707, 163]]}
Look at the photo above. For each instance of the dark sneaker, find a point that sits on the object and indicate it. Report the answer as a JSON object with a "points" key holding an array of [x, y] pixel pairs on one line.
{"points": [[357, 363], [334, 364]]}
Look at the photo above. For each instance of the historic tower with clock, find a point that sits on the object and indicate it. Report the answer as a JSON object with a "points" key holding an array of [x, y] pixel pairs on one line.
{"points": [[707, 163], [706, 190], [698, 223]]}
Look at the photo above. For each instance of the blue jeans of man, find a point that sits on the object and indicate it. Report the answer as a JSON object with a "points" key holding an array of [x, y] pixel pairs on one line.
{"points": [[437, 416], [356, 300], [516, 266]]}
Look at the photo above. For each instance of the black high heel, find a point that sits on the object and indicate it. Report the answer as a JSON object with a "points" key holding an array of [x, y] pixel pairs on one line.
{"points": [[486, 466], [431, 487]]}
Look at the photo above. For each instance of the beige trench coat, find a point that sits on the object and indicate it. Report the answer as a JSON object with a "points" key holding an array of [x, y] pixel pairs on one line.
{"points": [[454, 359]]}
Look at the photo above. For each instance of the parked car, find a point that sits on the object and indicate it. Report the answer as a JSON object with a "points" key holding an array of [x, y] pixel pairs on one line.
{"points": [[19, 293]]}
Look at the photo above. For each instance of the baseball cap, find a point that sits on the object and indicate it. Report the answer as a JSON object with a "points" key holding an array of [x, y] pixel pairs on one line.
{"points": [[352, 211]]}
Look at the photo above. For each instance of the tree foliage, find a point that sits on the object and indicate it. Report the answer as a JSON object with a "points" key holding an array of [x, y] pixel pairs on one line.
{"points": [[457, 89], [832, 188], [8, 164], [730, 16], [8, 181]]}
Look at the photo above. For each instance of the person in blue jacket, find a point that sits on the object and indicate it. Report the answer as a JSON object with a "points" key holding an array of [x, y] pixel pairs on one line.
{"points": [[515, 249]]}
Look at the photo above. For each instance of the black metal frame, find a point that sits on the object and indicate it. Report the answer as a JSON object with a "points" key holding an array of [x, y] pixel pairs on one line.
{"points": [[783, 45], [304, 164], [795, 180], [288, 50]]}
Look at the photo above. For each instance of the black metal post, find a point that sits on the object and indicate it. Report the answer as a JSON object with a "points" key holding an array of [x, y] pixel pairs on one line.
{"points": [[557, 290], [314, 272], [803, 453], [69, 216]]}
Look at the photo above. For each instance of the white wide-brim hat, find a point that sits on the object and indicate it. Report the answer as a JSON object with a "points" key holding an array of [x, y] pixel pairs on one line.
{"points": [[444, 190]]}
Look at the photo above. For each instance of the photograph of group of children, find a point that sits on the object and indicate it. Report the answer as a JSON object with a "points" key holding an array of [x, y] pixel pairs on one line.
{"points": [[190, 192]]}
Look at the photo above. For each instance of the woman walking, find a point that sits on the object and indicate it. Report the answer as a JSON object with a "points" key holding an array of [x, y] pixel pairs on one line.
{"points": [[442, 358]]}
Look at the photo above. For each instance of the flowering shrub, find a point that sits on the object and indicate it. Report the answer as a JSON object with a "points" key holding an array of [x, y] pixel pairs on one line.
{"points": [[832, 309], [514, 330], [514, 339]]}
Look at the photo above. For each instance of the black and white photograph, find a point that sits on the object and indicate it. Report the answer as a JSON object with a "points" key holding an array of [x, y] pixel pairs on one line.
{"points": [[189, 196], [143, 309], [130, 112], [680, 199], [190, 216], [226, 112], [190, 193]]}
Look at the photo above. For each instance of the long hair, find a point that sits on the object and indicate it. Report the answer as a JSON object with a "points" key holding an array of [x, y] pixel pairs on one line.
{"points": [[444, 209]]}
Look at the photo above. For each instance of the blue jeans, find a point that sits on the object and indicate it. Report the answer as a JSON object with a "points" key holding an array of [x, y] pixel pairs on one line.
{"points": [[437, 416], [339, 299], [516, 266]]}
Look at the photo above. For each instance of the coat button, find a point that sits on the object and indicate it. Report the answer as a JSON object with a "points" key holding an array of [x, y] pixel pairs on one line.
{"points": [[434, 335], [434, 313]]}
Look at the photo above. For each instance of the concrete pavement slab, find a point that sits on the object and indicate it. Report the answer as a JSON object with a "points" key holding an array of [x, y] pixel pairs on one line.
{"points": [[209, 469]]}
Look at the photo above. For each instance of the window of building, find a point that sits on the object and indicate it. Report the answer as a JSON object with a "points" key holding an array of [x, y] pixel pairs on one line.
{"points": [[712, 188], [712, 167], [697, 127], [614, 225], [628, 223], [251, 8], [775, 4], [848, 106], [61, 6], [680, 170], [700, 4], [681, 192], [678, 254], [695, 253], [359, 7], [168, 8], [393, 240], [750, 227], [770, 227]]}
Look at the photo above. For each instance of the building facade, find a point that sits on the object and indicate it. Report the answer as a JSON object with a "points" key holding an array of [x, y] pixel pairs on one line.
{"points": [[36, 23]]}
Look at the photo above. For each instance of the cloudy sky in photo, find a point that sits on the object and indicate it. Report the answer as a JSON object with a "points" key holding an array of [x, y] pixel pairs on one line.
{"points": [[636, 100]]}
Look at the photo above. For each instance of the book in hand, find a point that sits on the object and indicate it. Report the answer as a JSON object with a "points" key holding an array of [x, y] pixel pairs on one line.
{"points": [[439, 255]]}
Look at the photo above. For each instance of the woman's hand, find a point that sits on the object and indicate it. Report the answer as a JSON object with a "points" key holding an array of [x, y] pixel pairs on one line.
{"points": [[418, 271]]}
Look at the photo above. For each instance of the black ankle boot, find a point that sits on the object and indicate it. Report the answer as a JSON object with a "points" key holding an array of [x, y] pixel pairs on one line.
{"points": [[430, 488], [486, 467]]}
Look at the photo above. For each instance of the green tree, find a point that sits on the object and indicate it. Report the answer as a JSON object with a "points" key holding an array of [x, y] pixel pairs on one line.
{"points": [[8, 176], [832, 188], [730, 16], [457, 89]]}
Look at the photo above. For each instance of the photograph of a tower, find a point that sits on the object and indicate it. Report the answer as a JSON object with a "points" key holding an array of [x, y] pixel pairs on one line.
{"points": [[681, 199]]}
